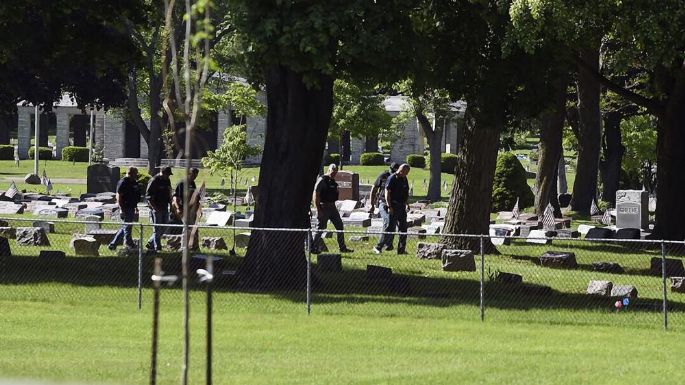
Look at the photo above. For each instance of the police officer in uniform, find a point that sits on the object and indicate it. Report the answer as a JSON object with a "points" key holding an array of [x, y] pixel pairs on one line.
{"points": [[158, 196], [128, 195], [395, 209], [378, 195], [325, 195]]}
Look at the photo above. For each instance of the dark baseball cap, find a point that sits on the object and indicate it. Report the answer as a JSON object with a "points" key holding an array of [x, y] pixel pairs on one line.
{"points": [[394, 166], [167, 170]]}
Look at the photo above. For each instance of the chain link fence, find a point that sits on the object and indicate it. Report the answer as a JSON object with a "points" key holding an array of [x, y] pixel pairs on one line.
{"points": [[518, 279]]}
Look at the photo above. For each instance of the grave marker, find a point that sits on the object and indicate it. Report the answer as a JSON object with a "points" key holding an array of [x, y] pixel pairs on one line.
{"points": [[632, 209]]}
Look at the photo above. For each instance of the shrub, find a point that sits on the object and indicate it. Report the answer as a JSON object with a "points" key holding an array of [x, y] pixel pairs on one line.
{"points": [[75, 154], [332, 158], [533, 156], [416, 160], [509, 184], [45, 153], [448, 163], [6, 152], [143, 177], [372, 159]]}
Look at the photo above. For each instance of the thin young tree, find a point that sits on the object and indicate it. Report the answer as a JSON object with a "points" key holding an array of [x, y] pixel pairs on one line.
{"points": [[188, 72]]}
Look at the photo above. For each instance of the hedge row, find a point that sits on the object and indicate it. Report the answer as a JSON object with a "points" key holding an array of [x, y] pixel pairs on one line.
{"points": [[448, 163], [416, 160], [6, 152], [372, 159], [143, 177], [332, 158], [75, 154], [45, 153]]}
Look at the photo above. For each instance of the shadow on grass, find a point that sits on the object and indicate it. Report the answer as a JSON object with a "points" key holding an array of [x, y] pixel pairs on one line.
{"points": [[348, 286]]}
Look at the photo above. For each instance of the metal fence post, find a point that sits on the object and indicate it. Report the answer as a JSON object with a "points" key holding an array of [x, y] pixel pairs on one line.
{"points": [[482, 281], [309, 272], [663, 279], [140, 267]]}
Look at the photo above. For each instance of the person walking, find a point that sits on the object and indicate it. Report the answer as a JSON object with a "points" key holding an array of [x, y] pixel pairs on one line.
{"points": [[325, 196], [158, 195], [395, 210], [378, 194], [177, 204], [128, 195]]}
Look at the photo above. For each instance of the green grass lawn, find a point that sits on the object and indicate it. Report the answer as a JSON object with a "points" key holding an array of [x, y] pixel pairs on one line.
{"points": [[96, 335], [56, 169]]}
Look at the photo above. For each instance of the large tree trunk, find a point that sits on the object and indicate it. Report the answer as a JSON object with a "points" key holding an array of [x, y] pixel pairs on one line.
{"points": [[670, 205], [371, 143], [610, 166], [434, 138], [5, 124], [153, 134], [551, 127], [589, 134], [297, 123], [471, 197]]}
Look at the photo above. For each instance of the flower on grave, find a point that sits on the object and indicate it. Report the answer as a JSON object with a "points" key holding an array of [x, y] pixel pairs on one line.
{"points": [[618, 305], [626, 301]]}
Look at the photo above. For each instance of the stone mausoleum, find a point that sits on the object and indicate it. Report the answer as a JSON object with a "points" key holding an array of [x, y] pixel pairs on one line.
{"points": [[120, 138]]}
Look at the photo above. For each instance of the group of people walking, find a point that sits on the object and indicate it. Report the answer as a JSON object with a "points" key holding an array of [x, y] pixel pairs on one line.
{"points": [[165, 204], [390, 193]]}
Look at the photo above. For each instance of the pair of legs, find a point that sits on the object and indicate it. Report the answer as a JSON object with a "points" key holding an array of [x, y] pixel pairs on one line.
{"points": [[328, 212], [391, 223], [124, 233], [158, 218]]}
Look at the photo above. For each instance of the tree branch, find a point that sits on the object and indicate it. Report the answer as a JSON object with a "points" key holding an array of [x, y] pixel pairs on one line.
{"points": [[134, 108], [651, 105]]}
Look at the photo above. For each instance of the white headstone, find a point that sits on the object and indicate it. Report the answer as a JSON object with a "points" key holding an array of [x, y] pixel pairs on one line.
{"points": [[218, 218], [632, 209], [537, 236]]}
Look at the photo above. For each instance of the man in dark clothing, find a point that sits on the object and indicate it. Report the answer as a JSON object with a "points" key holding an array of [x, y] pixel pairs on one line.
{"points": [[158, 196], [178, 192], [325, 195], [378, 195], [128, 195], [177, 204], [378, 189], [395, 209]]}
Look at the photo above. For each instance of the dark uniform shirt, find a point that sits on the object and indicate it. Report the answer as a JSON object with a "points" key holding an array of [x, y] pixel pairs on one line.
{"points": [[179, 191], [159, 192], [129, 192], [380, 183], [399, 190], [327, 189]]}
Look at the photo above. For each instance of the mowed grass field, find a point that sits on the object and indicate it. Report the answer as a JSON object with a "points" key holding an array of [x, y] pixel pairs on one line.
{"points": [[77, 320], [97, 336], [68, 177]]}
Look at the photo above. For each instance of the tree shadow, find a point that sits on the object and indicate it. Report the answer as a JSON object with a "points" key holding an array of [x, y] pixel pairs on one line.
{"points": [[352, 285]]}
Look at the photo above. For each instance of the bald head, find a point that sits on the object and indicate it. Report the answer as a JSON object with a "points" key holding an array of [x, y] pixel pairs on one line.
{"points": [[404, 169]]}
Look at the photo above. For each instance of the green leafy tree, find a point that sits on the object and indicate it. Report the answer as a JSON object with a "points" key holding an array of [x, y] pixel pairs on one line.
{"points": [[431, 107], [78, 47], [297, 48], [639, 138], [649, 36]]}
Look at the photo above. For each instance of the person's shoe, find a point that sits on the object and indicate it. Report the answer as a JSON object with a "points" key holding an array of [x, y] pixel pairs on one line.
{"points": [[401, 251], [150, 246], [112, 247], [346, 250], [376, 250], [389, 248]]}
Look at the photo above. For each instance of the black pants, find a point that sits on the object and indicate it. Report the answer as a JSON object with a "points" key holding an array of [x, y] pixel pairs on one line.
{"points": [[329, 212], [395, 222]]}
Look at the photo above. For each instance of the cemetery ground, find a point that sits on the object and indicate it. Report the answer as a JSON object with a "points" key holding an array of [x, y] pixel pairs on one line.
{"points": [[95, 338], [71, 177], [76, 319]]}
